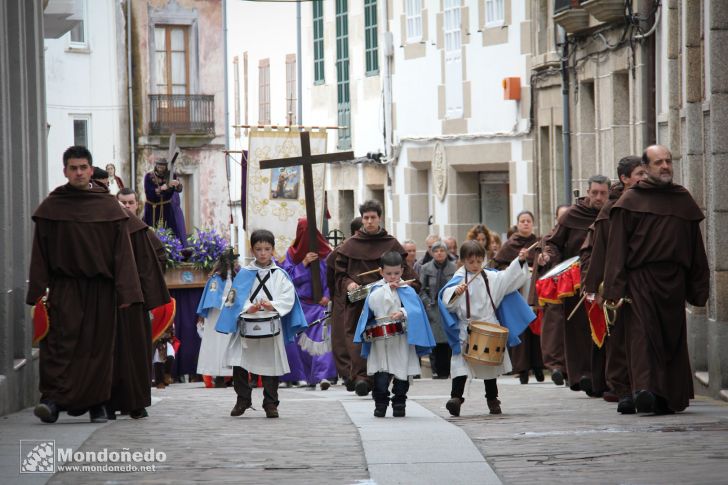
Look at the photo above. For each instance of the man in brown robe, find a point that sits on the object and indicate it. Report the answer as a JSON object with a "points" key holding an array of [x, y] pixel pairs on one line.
{"points": [[131, 391], [609, 364], [552, 320], [656, 257], [83, 257], [563, 243], [339, 347], [359, 254]]}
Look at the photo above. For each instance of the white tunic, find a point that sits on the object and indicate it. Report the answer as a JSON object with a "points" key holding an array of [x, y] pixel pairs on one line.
{"points": [[264, 356], [501, 283], [394, 354], [212, 351]]}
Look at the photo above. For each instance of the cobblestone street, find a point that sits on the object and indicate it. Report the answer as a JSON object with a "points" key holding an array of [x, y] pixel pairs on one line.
{"points": [[547, 434]]}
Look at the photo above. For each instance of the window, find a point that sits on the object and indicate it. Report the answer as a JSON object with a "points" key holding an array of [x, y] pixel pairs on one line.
{"points": [[79, 35], [318, 41], [494, 13], [264, 92], [370, 36], [80, 132], [172, 60], [291, 89], [453, 61], [342, 74], [413, 11]]}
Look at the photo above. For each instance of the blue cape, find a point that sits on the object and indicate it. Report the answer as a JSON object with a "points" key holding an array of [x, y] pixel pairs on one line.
{"points": [[293, 322], [211, 298], [513, 313], [419, 332]]}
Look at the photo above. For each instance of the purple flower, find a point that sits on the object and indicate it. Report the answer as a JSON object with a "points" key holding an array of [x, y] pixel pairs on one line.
{"points": [[206, 246], [172, 246]]}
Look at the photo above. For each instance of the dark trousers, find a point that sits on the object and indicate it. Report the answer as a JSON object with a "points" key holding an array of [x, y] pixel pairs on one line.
{"points": [[244, 391], [380, 392], [440, 360], [162, 368], [458, 387]]}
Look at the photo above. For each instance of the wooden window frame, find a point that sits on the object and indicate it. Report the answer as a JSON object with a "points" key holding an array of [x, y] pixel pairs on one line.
{"points": [[319, 75], [371, 42]]}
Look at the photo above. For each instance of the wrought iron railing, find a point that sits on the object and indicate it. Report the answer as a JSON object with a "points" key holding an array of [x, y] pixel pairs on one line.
{"points": [[192, 114]]}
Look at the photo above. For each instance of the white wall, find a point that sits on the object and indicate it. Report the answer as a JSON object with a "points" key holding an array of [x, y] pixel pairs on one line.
{"points": [[89, 82]]}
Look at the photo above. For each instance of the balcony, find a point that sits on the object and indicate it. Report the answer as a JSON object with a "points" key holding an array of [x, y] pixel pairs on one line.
{"points": [[182, 114], [605, 10], [570, 15]]}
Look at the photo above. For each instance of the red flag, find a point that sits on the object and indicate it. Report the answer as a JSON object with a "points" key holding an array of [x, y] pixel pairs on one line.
{"points": [[162, 317], [597, 323], [537, 324], [41, 321]]}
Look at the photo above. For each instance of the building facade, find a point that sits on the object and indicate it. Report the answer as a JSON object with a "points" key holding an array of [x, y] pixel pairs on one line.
{"points": [[462, 146], [86, 90], [178, 87], [23, 131]]}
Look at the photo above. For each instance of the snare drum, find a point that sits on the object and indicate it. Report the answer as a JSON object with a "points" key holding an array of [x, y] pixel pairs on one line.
{"points": [[486, 343], [384, 328], [360, 293], [259, 325]]}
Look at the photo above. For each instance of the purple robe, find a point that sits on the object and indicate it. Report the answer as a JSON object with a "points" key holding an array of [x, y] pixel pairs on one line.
{"points": [[170, 211], [313, 368], [185, 329]]}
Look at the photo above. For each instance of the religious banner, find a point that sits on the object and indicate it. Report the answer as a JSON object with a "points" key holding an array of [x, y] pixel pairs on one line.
{"points": [[275, 197]]}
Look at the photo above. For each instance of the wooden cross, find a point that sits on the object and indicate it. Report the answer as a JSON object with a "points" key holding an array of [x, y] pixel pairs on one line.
{"points": [[306, 160]]}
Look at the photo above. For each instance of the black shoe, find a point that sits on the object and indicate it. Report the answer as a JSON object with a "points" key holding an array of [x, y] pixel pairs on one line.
{"points": [[661, 406], [539, 374], [76, 412], [453, 405], [362, 388], [575, 387], [324, 384], [97, 414], [585, 384], [494, 406], [111, 413], [350, 385], [380, 411], [239, 408], [138, 414], [271, 411], [557, 377], [398, 411], [626, 405], [219, 382], [644, 401], [523, 377], [46, 411]]}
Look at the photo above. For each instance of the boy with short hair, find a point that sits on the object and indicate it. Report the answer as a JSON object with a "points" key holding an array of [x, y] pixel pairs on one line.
{"points": [[260, 311], [488, 290], [394, 330]]}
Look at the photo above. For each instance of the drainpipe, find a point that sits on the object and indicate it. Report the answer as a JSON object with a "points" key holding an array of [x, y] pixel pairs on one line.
{"points": [[649, 133], [566, 128], [299, 68], [130, 96], [227, 91]]}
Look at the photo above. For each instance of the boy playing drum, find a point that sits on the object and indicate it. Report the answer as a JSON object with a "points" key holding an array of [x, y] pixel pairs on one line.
{"points": [[394, 330], [474, 294]]}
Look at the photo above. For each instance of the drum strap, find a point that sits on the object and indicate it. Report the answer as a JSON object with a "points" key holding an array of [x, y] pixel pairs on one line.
{"points": [[261, 286], [467, 297], [487, 288]]}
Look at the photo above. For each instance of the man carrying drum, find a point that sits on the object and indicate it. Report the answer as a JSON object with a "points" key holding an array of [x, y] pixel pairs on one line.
{"points": [[357, 264], [472, 296], [563, 243]]}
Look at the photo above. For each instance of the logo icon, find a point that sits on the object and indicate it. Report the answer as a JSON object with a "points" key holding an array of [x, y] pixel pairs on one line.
{"points": [[37, 456]]}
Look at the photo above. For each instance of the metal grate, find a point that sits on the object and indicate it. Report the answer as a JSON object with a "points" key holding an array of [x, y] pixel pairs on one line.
{"points": [[182, 114]]}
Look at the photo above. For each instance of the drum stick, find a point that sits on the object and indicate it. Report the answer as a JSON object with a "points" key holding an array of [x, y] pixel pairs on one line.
{"points": [[368, 272], [466, 287], [573, 312], [533, 245]]}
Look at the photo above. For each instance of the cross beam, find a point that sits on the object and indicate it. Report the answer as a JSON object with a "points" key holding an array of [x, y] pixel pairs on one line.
{"points": [[306, 160]]}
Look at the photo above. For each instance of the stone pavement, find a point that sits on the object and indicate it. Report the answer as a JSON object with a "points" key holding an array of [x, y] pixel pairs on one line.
{"points": [[547, 434]]}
